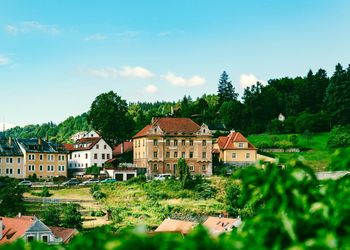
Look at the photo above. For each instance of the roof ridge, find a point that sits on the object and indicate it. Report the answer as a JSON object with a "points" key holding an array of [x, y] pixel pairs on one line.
{"points": [[228, 139]]}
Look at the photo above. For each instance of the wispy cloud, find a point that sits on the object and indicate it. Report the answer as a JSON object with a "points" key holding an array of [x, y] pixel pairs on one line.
{"points": [[151, 89], [95, 37], [4, 60], [246, 80], [127, 35], [185, 82], [164, 33], [126, 71], [29, 27]]}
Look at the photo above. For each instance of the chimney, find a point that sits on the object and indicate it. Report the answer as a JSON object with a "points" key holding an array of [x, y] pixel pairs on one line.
{"points": [[19, 215], [1, 228], [10, 140], [122, 148], [40, 141]]}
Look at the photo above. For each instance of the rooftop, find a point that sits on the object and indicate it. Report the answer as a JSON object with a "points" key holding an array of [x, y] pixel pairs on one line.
{"points": [[170, 225], [227, 142]]}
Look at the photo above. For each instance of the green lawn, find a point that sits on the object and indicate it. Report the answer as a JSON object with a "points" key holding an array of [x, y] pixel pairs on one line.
{"points": [[318, 157]]}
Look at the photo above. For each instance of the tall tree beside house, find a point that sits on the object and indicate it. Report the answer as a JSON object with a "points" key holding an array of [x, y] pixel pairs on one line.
{"points": [[109, 115], [51, 216], [184, 172], [71, 217], [226, 92], [337, 99]]}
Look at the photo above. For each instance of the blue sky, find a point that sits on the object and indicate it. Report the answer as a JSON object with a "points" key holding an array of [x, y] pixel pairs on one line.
{"points": [[57, 56]]}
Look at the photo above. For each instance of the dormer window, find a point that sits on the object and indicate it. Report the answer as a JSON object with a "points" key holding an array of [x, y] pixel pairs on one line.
{"points": [[240, 145]]}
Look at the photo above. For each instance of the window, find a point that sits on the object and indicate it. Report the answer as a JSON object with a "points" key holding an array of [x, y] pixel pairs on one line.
{"points": [[107, 156], [234, 155], [175, 142], [41, 157], [0, 159], [8, 160], [155, 154], [204, 168], [240, 145], [155, 167], [31, 168], [50, 157], [97, 146], [18, 171], [86, 156], [31, 157], [18, 160], [167, 154], [175, 154], [204, 155], [95, 156], [50, 168], [167, 167], [204, 143], [41, 168], [175, 166], [103, 156], [61, 168], [247, 155], [183, 143], [183, 154], [45, 238], [61, 157], [191, 154], [155, 142], [70, 156], [30, 238], [167, 142], [191, 168], [191, 142], [105, 146]]}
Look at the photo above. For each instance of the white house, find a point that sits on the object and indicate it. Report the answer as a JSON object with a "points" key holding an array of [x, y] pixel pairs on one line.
{"points": [[90, 150]]}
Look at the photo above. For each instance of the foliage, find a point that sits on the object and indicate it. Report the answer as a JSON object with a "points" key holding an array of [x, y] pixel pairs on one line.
{"points": [[339, 137], [226, 92], [44, 192], [340, 160], [183, 172], [11, 197], [71, 217], [138, 179], [51, 215], [93, 170], [109, 115], [95, 190]]}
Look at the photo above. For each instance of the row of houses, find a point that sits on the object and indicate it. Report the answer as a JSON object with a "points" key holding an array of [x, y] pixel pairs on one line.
{"points": [[155, 149]]}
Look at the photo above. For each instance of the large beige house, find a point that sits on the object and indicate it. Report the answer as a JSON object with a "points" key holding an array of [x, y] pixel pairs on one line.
{"points": [[21, 158], [235, 149], [159, 146]]}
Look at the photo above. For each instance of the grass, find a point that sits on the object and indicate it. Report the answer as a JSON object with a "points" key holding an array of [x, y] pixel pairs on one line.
{"points": [[318, 156], [68, 193]]}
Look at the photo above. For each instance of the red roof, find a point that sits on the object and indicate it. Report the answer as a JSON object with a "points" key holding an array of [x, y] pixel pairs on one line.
{"points": [[170, 225], [227, 142], [83, 144], [171, 125], [128, 146], [66, 234], [14, 228]]}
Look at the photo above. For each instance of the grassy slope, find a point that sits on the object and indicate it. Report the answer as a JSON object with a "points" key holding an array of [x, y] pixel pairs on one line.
{"points": [[318, 157]]}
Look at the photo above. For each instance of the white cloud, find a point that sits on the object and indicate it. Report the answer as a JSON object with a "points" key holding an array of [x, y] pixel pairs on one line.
{"points": [[31, 26], [126, 35], [126, 71], [246, 80], [186, 82], [151, 89], [4, 60], [96, 37]]}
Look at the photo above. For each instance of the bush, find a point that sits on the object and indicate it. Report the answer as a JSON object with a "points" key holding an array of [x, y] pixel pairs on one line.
{"points": [[264, 144], [339, 137], [138, 179], [205, 191], [98, 195], [293, 139], [313, 122], [340, 160], [283, 144]]}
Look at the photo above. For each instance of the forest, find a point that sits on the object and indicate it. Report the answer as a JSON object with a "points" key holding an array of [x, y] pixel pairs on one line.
{"points": [[315, 102]]}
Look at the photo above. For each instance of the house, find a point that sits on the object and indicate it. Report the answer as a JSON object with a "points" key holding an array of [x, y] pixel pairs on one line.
{"points": [[281, 117], [66, 234], [235, 149], [218, 225], [11, 159], [123, 148], [43, 158], [88, 151], [159, 146], [175, 226], [78, 136], [31, 228]]}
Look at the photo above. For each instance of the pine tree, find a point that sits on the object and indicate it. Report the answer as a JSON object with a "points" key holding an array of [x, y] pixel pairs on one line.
{"points": [[226, 91]]}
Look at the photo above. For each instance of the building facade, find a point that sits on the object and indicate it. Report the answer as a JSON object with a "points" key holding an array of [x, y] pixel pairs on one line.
{"points": [[43, 158], [21, 158], [91, 150], [159, 146], [235, 149]]}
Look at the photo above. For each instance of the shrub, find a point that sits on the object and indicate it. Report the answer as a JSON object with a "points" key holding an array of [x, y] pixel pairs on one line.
{"points": [[205, 191], [71, 217], [94, 188], [339, 137], [138, 179], [340, 160], [293, 139], [98, 195], [283, 144], [263, 144]]}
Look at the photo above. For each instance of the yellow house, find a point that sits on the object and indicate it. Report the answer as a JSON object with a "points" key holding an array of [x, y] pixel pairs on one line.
{"points": [[235, 149]]}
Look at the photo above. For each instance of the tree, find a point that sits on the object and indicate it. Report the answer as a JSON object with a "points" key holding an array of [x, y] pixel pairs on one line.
{"points": [[71, 217], [11, 197], [337, 99], [184, 172], [51, 216], [226, 92], [93, 170], [109, 115], [232, 114]]}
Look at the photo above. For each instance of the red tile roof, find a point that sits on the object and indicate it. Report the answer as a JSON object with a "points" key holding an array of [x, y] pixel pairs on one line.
{"points": [[128, 146], [171, 125], [227, 142], [90, 143], [170, 225], [66, 234], [14, 228]]}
